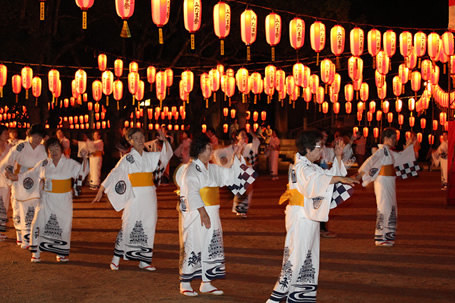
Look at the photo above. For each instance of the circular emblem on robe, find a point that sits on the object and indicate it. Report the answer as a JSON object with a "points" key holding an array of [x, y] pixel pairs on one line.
{"points": [[45, 162], [20, 147], [373, 171], [120, 187], [385, 152], [317, 202], [28, 183], [130, 158], [198, 168]]}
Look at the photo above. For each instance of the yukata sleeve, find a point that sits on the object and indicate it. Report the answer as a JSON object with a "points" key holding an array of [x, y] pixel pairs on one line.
{"points": [[311, 182], [8, 162], [193, 186], [28, 183], [237, 178], [164, 156], [371, 167], [117, 186]]}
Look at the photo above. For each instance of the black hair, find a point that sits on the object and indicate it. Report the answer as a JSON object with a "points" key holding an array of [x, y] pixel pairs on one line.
{"points": [[52, 141], [198, 145], [307, 139], [132, 131], [37, 129], [388, 132], [3, 128]]}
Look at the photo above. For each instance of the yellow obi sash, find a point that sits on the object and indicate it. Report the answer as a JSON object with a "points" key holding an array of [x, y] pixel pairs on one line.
{"points": [[97, 154], [60, 186], [210, 195], [387, 170], [141, 179], [293, 196]]}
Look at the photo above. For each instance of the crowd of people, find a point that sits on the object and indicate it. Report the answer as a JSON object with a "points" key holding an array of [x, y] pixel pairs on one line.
{"points": [[40, 179]]}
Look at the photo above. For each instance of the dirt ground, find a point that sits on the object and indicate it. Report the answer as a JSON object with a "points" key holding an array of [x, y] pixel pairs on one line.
{"points": [[419, 268]]}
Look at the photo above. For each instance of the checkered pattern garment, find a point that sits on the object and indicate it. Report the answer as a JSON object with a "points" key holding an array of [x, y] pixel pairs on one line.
{"points": [[158, 173], [406, 164], [341, 192], [247, 176]]}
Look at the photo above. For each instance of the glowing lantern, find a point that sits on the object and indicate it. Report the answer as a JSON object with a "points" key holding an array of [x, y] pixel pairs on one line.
{"points": [[81, 81], [151, 74], [26, 77], [263, 115], [297, 33], [412, 120], [411, 104], [320, 95], [420, 43], [403, 73], [118, 91], [53, 78], [241, 78], [375, 132], [97, 90], [307, 96], [160, 83], [232, 113], [425, 69], [192, 12], [348, 92], [160, 15], [102, 62], [411, 60], [3, 78], [270, 74], [423, 123], [84, 5], [133, 67], [214, 81], [17, 85], [378, 115], [400, 119], [442, 118], [337, 40], [364, 92], [434, 75], [355, 68], [356, 41], [290, 84], [390, 43], [225, 128], [372, 106], [273, 31], [248, 29], [405, 43], [169, 77], [36, 87], [415, 81], [133, 83], [385, 107], [222, 22], [447, 43], [431, 139], [365, 132], [118, 68], [107, 81], [327, 71], [390, 117], [434, 46], [205, 87], [382, 63], [360, 106], [317, 38], [188, 80], [125, 9], [374, 43], [230, 88], [314, 83], [140, 91], [325, 107], [336, 107], [397, 86], [398, 105], [348, 107]]}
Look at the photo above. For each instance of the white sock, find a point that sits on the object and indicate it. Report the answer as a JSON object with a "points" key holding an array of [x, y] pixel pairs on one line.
{"points": [[206, 286], [19, 235], [185, 286], [116, 260]]}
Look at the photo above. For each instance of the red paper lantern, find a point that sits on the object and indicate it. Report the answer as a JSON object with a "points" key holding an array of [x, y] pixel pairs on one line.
{"points": [[412, 120], [357, 41], [248, 29], [241, 78], [337, 40], [348, 92], [336, 107], [151, 74], [365, 132], [372, 106], [118, 68], [160, 15], [17, 85], [378, 115], [36, 86], [447, 43], [297, 33], [360, 106], [317, 38], [53, 78], [314, 83], [390, 43], [434, 46], [133, 67], [256, 83], [140, 91], [411, 60], [222, 22], [385, 107], [434, 75], [431, 139], [273, 31], [423, 123], [348, 107], [390, 117], [26, 76], [81, 81], [405, 43], [125, 9], [133, 82], [403, 73], [225, 128], [364, 92], [107, 81], [375, 132], [97, 90], [374, 43], [398, 105], [3, 78], [84, 5], [420, 43], [192, 12], [400, 119], [118, 90], [382, 63], [415, 81], [426, 67], [442, 118], [102, 62], [355, 68], [169, 77], [397, 86]]}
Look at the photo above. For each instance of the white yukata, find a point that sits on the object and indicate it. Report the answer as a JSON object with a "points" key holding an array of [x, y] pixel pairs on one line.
{"points": [[136, 237], [5, 190], [440, 158], [309, 196], [202, 248], [380, 168], [96, 151], [21, 158], [223, 157], [51, 226]]}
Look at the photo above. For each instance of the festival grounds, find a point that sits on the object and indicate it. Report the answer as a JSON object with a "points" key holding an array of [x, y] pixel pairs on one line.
{"points": [[419, 268]]}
